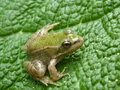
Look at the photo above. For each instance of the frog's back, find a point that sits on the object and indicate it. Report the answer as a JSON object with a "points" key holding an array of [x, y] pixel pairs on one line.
{"points": [[47, 40]]}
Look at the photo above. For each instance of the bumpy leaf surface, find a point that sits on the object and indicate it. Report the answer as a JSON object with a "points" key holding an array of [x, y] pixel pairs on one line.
{"points": [[96, 66]]}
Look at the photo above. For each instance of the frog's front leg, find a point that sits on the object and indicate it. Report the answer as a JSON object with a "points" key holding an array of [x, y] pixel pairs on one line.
{"points": [[53, 71], [37, 70]]}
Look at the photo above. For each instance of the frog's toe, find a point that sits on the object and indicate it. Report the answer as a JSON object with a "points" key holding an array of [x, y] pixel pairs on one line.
{"points": [[63, 70], [55, 23], [44, 82], [47, 80], [62, 74], [53, 83]]}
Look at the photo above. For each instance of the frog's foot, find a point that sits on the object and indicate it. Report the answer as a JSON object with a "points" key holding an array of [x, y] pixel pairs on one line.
{"points": [[46, 80], [55, 75], [62, 74]]}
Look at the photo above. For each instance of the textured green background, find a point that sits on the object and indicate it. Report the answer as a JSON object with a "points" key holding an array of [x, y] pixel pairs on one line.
{"points": [[96, 66]]}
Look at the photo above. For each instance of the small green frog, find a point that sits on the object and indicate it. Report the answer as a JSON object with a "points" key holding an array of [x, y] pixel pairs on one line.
{"points": [[46, 50]]}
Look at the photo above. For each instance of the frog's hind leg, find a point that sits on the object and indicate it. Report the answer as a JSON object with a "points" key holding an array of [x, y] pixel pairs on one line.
{"points": [[37, 70], [45, 29]]}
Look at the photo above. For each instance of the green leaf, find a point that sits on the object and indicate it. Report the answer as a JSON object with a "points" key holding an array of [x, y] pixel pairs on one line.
{"points": [[96, 66]]}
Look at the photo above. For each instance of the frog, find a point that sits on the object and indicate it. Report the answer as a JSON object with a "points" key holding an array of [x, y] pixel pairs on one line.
{"points": [[45, 50]]}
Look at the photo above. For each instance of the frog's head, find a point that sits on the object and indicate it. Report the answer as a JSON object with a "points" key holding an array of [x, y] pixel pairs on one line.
{"points": [[72, 42]]}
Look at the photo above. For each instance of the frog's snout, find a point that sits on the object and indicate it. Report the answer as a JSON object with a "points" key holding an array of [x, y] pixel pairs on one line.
{"points": [[79, 41]]}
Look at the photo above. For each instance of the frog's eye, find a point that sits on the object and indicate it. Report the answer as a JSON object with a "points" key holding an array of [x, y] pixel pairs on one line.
{"points": [[66, 44]]}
